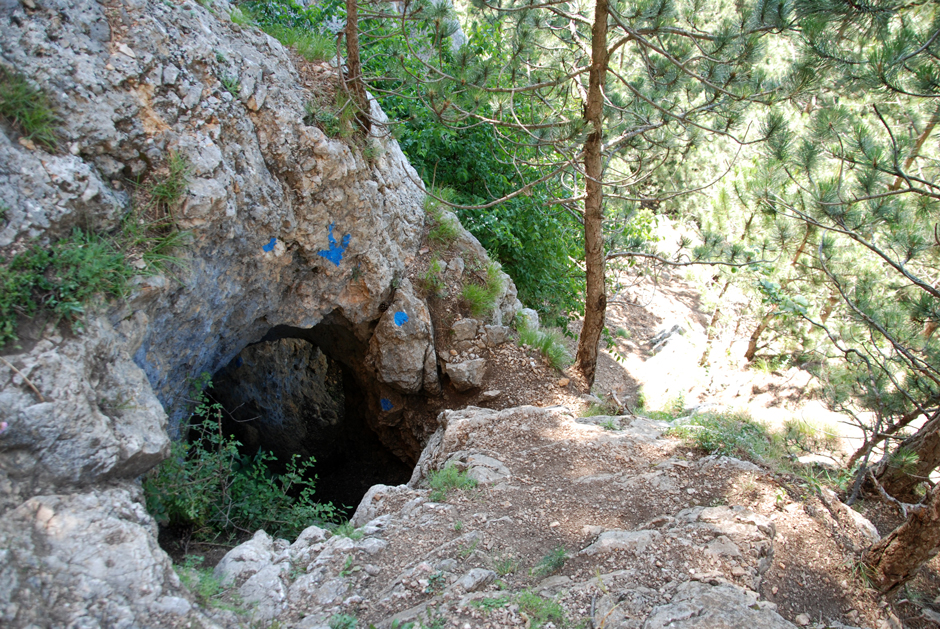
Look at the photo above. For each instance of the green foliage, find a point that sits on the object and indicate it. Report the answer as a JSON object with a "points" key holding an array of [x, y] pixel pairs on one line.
{"points": [[207, 589], [309, 44], [442, 228], [505, 564], [346, 529], [904, 459], [432, 280], [488, 604], [549, 343], [444, 480], [604, 407], [167, 189], [806, 436], [481, 299], [343, 621], [60, 280], [231, 84], [551, 563], [469, 549], [731, 435], [540, 610], [27, 108], [208, 485]]}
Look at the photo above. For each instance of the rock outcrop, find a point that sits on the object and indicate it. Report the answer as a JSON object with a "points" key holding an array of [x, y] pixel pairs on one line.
{"points": [[292, 234]]}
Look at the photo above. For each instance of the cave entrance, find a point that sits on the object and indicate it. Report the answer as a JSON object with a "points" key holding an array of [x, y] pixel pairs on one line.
{"points": [[301, 392]]}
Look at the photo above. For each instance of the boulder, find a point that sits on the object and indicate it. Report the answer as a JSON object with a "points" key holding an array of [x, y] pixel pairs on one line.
{"points": [[697, 605], [466, 375]]}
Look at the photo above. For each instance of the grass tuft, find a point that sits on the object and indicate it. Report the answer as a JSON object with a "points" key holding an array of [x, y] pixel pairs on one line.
{"points": [[481, 299], [28, 109], [310, 45], [731, 434], [549, 343], [551, 563], [444, 480], [167, 190], [540, 611]]}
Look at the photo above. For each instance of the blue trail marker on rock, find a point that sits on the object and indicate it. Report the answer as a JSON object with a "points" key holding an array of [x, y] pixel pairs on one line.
{"points": [[386, 404], [335, 253], [270, 246], [401, 317]]}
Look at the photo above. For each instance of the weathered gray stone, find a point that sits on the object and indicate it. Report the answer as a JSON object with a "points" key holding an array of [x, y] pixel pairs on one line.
{"points": [[697, 605], [496, 335], [609, 541], [250, 558], [466, 375], [475, 579], [527, 318], [465, 329], [400, 345], [265, 592]]}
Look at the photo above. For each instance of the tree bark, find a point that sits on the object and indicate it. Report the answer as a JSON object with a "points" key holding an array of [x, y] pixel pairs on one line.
{"points": [[354, 84], [925, 443], [755, 336], [897, 557], [918, 144], [712, 326], [595, 305]]}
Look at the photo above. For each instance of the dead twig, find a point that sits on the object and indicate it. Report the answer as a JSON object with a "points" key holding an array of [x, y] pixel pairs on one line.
{"points": [[25, 379]]}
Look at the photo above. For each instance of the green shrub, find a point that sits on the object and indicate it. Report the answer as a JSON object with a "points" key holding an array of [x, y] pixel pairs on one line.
{"points": [[60, 279], [731, 434], [343, 621], [209, 486], [540, 610], [27, 108], [444, 480], [549, 343], [310, 45], [481, 299], [551, 563], [432, 280], [443, 229]]}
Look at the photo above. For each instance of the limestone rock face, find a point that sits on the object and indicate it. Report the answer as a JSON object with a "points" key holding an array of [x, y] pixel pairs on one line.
{"points": [[696, 604], [402, 342], [288, 230]]}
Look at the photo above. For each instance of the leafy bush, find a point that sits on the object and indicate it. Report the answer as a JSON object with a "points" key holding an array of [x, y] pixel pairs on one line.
{"points": [[209, 486], [27, 108], [444, 480]]}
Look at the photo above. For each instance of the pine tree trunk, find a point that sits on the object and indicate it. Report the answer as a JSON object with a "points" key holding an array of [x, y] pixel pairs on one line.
{"points": [[354, 84], [712, 326], [755, 336], [595, 305], [926, 443], [898, 556]]}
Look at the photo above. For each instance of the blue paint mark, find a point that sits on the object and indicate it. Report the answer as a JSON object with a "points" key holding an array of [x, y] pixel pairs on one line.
{"points": [[386, 404], [270, 245], [400, 318], [239, 362], [335, 253]]}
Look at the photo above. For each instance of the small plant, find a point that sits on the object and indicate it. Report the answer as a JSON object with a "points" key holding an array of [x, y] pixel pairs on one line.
{"points": [[239, 17], [551, 563], [348, 567], [27, 108], [610, 424], [808, 437], [342, 621], [469, 549], [486, 605], [167, 190], [443, 229], [601, 409], [207, 589], [540, 610], [549, 343], [622, 333], [346, 529], [231, 84], [60, 279], [505, 564], [436, 583], [481, 300], [432, 280], [372, 151], [310, 45], [220, 57], [730, 434], [458, 526], [444, 480]]}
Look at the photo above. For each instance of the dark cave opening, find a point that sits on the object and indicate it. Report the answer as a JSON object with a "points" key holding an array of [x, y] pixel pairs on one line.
{"points": [[301, 392]]}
